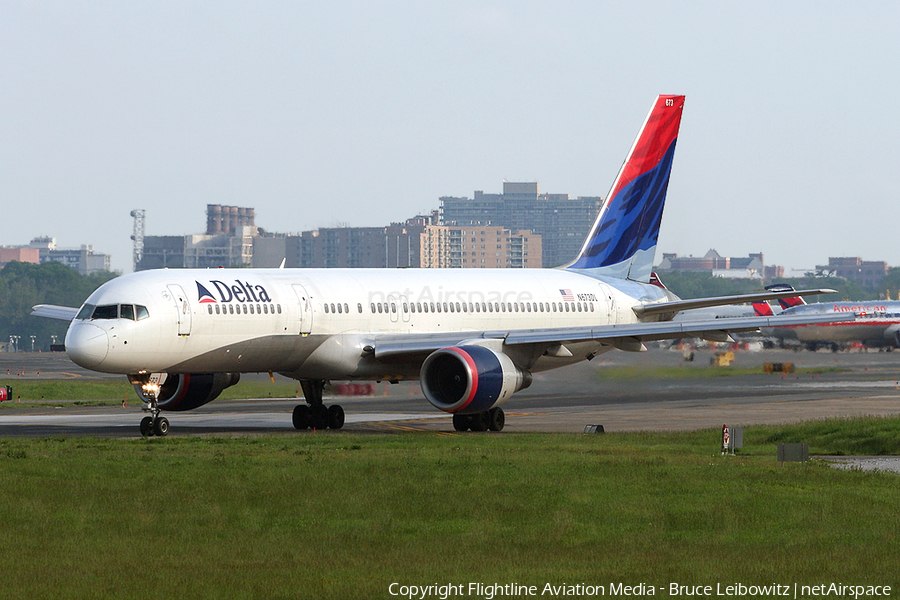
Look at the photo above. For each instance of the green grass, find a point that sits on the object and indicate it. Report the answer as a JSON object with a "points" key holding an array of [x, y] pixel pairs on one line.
{"points": [[263, 389], [343, 515], [65, 389], [849, 436]]}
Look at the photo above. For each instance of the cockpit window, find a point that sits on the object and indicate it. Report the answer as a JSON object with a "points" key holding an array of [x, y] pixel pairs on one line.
{"points": [[131, 312], [110, 311]]}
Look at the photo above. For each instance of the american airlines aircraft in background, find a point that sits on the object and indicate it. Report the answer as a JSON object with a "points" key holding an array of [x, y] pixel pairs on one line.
{"points": [[876, 322], [472, 337]]}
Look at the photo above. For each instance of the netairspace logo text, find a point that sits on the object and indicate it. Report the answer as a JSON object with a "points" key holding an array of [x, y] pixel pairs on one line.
{"points": [[490, 591]]}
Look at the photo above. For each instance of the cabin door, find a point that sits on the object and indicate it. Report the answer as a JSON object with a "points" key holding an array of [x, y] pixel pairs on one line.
{"points": [[182, 308], [305, 309]]}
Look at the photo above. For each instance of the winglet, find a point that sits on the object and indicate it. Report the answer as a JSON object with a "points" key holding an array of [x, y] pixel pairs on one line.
{"points": [[622, 242]]}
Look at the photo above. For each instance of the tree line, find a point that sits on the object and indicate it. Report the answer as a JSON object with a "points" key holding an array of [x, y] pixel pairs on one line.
{"points": [[22, 285], [695, 284]]}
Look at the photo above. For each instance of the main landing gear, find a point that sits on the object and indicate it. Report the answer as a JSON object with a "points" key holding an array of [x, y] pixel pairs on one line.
{"points": [[314, 414], [154, 424], [489, 420]]}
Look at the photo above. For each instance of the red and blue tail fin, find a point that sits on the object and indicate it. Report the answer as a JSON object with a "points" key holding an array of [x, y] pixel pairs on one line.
{"points": [[791, 302], [763, 309], [655, 280], [786, 303], [622, 242]]}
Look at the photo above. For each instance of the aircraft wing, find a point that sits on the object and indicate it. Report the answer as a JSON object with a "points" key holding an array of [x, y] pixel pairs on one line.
{"points": [[628, 336], [63, 313], [670, 308]]}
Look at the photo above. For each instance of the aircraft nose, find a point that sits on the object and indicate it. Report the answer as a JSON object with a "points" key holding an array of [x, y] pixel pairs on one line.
{"points": [[86, 345]]}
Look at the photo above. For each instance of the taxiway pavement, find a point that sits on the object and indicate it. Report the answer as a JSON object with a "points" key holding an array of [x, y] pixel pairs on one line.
{"points": [[621, 391]]}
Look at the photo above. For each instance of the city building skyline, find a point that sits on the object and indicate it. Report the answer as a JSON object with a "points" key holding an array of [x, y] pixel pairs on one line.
{"points": [[44, 249], [418, 242], [562, 221]]}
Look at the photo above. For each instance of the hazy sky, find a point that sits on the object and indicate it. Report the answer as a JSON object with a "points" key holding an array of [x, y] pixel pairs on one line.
{"points": [[363, 113]]}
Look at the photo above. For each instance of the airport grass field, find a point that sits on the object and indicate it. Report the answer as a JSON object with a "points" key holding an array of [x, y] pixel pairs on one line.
{"points": [[113, 391], [339, 515]]}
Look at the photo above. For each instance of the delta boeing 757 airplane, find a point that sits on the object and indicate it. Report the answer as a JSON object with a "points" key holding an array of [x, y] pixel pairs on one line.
{"points": [[472, 337]]}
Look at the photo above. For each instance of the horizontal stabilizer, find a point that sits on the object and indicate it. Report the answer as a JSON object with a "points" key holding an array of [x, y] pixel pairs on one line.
{"points": [[670, 308], [63, 313]]}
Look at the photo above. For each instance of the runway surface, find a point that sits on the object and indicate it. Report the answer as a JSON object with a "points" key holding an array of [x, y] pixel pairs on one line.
{"points": [[693, 395]]}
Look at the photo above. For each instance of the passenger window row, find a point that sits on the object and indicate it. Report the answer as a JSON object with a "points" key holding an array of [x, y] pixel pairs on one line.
{"points": [[464, 307], [231, 309], [339, 308]]}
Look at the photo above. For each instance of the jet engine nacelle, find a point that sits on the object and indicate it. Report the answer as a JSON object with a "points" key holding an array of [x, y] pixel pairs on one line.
{"points": [[892, 335], [470, 379], [187, 391]]}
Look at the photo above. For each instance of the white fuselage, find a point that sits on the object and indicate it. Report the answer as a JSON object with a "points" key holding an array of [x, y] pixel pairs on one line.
{"points": [[317, 323]]}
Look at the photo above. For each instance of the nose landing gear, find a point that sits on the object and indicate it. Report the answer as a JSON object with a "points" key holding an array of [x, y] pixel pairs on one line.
{"points": [[154, 424]]}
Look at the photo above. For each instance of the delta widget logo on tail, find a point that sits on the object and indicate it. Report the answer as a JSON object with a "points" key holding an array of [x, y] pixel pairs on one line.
{"points": [[240, 291]]}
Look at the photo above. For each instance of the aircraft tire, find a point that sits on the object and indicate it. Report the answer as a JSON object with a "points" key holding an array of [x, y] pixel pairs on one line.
{"points": [[147, 426], [161, 427], [497, 419], [460, 422], [480, 421], [301, 416], [335, 416], [318, 416]]}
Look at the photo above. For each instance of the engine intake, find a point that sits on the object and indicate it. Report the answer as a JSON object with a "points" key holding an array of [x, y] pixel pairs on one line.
{"points": [[187, 391], [470, 379]]}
